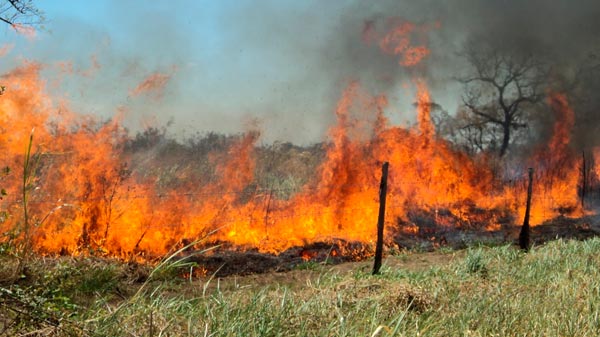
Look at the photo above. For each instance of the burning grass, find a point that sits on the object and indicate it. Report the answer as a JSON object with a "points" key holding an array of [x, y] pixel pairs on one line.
{"points": [[480, 291], [89, 192], [93, 189]]}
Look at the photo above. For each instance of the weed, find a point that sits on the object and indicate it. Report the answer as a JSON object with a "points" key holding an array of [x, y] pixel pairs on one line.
{"points": [[475, 262]]}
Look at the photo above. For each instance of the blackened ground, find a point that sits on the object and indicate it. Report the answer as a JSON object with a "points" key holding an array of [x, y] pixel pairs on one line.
{"points": [[225, 262], [230, 262]]}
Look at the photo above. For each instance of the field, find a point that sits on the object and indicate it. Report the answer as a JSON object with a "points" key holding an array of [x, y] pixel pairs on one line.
{"points": [[262, 221], [81, 250], [480, 291]]}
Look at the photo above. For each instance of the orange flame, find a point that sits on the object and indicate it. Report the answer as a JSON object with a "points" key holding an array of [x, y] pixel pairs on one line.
{"points": [[557, 166], [155, 83], [399, 41], [27, 31], [86, 197]]}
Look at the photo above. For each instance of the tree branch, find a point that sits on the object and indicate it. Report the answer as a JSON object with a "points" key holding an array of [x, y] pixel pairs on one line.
{"points": [[6, 21], [486, 116], [15, 4], [498, 87], [22, 12]]}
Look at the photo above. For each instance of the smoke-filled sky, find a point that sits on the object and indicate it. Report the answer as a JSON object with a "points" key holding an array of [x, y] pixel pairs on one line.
{"points": [[224, 65]]}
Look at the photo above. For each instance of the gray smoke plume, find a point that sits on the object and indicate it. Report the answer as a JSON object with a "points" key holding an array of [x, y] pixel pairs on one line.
{"points": [[286, 63], [564, 34]]}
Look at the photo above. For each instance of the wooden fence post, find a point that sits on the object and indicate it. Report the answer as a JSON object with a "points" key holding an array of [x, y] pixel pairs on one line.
{"points": [[381, 218], [524, 235], [584, 175]]}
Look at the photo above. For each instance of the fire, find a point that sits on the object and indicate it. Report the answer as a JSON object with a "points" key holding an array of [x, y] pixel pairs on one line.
{"points": [[27, 31], [154, 83], [307, 255], [558, 168], [596, 163], [397, 41], [84, 197]]}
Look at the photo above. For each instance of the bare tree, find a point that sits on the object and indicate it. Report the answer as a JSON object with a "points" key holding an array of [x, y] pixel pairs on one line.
{"points": [[466, 131], [474, 134], [499, 91], [19, 13]]}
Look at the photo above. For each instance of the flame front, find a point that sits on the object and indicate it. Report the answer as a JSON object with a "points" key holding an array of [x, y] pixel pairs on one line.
{"points": [[84, 197]]}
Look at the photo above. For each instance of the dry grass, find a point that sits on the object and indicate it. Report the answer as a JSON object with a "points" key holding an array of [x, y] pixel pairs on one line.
{"points": [[485, 291]]}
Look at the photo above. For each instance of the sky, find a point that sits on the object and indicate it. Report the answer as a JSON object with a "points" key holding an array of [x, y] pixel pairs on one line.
{"points": [[279, 65], [231, 64]]}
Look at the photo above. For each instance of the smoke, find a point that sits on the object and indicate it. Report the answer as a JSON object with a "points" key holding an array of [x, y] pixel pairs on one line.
{"points": [[285, 64], [560, 33], [5, 49], [563, 34]]}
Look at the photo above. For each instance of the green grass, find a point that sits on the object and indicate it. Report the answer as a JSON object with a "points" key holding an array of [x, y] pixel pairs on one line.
{"points": [[484, 291]]}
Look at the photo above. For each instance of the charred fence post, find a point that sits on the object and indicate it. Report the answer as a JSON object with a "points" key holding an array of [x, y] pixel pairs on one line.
{"points": [[584, 175], [524, 235], [381, 218]]}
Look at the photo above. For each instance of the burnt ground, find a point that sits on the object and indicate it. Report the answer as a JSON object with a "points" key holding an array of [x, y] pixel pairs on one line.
{"points": [[300, 277], [430, 238]]}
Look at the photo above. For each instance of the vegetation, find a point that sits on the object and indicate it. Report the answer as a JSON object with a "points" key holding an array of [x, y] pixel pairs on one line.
{"points": [[498, 94], [281, 168], [20, 13], [481, 291]]}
